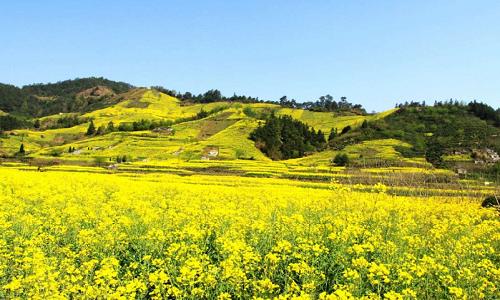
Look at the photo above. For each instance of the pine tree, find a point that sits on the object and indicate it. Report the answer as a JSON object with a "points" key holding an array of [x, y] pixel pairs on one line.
{"points": [[284, 137], [21, 149], [333, 134], [346, 129], [111, 127], [365, 124], [320, 137], [91, 129]]}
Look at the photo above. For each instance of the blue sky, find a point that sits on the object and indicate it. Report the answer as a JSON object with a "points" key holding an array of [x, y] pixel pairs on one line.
{"points": [[375, 53]]}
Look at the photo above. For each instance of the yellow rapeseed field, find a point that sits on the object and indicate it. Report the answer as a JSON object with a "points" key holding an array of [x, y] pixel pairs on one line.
{"points": [[131, 236]]}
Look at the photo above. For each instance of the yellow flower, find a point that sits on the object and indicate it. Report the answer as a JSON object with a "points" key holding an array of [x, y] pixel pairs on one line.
{"points": [[224, 296], [14, 285], [350, 274], [392, 295], [457, 292]]}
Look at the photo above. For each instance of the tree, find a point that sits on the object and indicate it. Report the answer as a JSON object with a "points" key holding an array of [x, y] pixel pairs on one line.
{"points": [[341, 159], [364, 124], [10, 122], [320, 139], [124, 126], [434, 152], [333, 134], [434, 156], [211, 96], [491, 201], [91, 129], [283, 137], [111, 127], [250, 112], [21, 149], [37, 124], [485, 112], [346, 129], [283, 101], [202, 114], [99, 160]]}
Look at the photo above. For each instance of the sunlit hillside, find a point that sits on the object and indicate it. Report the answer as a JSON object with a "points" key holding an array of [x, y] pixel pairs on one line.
{"points": [[225, 132], [326, 120], [260, 150], [132, 193]]}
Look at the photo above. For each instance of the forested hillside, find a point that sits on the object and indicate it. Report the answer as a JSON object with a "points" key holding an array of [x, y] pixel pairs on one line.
{"points": [[283, 138], [433, 131], [78, 95]]}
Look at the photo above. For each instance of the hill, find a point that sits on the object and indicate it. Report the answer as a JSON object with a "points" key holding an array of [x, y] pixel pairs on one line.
{"points": [[198, 127], [76, 95], [146, 125], [446, 134]]}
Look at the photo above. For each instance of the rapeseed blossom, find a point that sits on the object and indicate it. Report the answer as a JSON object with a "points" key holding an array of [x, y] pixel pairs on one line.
{"points": [[83, 235]]}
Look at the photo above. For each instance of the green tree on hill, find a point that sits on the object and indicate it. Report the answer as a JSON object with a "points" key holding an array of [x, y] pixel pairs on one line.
{"points": [[202, 114], [319, 140], [333, 134], [111, 127], [284, 137], [341, 159], [91, 129], [485, 112], [434, 152], [346, 129], [99, 160], [21, 150]]}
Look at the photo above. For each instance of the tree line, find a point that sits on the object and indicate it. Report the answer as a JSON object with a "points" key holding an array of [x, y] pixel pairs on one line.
{"points": [[10, 122], [145, 124], [39, 99], [323, 104], [209, 96], [478, 109]]}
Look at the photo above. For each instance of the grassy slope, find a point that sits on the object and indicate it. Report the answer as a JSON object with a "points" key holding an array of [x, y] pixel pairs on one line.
{"points": [[232, 142], [327, 120], [382, 149]]}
